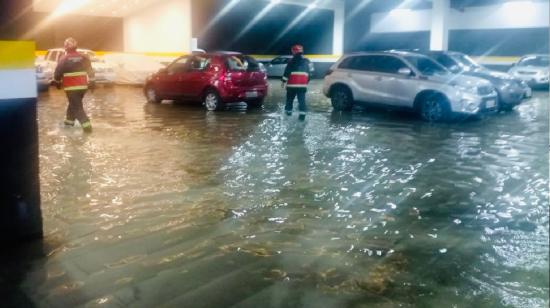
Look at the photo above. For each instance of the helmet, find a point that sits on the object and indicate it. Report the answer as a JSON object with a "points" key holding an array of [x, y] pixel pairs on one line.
{"points": [[70, 44], [296, 49]]}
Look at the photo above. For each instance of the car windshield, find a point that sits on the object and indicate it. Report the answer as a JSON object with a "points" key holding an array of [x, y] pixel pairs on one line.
{"points": [[426, 65], [466, 61], [535, 61], [242, 63]]}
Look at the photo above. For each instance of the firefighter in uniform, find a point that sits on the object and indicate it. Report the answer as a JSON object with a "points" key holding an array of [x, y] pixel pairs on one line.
{"points": [[296, 79], [75, 72]]}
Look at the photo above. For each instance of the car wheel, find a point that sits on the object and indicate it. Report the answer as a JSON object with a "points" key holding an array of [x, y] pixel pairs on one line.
{"points": [[341, 98], [152, 96], [434, 108], [257, 103], [212, 101]]}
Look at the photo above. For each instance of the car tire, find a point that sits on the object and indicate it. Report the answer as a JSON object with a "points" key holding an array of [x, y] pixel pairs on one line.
{"points": [[212, 101], [434, 108], [257, 103], [341, 98], [152, 95]]}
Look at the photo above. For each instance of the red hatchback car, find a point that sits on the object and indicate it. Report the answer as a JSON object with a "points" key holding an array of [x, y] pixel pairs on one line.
{"points": [[212, 78]]}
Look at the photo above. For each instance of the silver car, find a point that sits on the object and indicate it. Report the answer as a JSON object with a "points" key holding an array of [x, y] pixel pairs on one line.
{"points": [[407, 80], [511, 91], [276, 68], [532, 69]]}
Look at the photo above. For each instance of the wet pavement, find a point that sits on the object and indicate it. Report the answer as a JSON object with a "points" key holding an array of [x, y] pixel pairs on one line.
{"points": [[169, 205]]}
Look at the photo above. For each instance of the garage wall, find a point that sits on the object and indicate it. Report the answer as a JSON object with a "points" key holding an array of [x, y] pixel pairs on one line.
{"points": [[164, 27], [484, 30], [98, 33], [314, 30]]}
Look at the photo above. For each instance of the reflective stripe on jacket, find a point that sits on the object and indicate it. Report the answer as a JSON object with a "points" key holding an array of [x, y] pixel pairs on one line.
{"points": [[74, 70], [75, 81], [298, 80], [297, 72]]}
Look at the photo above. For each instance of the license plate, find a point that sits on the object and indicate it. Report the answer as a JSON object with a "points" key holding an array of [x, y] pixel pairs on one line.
{"points": [[490, 104], [250, 94]]}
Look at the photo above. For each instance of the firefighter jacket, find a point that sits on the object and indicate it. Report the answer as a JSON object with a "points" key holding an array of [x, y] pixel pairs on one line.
{"points": [[74, 70], [297, 72]]}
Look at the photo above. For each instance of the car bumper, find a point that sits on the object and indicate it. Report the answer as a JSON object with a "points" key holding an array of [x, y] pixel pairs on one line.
{"points": [[513, 96], [241, 94], [533, 80], [475, 105], [105, 77]]}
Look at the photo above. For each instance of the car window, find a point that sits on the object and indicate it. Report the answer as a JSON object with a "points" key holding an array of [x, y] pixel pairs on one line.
{"points": [[348, 63], [385, 64], [242, 63], [52, 56], [426, 65], [199, 63], [445, 60], [178, 66], [534, 61], [279, 60]]}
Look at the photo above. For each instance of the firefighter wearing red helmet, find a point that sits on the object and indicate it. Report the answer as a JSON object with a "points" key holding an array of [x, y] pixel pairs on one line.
{"points": [[75, 72], [296, 79]]}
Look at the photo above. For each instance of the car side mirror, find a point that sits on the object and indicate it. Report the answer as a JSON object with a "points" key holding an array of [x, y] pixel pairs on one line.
{"points": [[405, 71]]}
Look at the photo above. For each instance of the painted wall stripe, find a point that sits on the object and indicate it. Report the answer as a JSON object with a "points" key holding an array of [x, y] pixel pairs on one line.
{"points": [[315, 58], [16, 54], [20, 83]]}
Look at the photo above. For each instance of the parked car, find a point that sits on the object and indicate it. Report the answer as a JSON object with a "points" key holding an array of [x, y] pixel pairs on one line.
{"points": [[212, 78], [104, 73], [406, 80], [532, 69], [276, 68], [511, 91], [44, 76]]}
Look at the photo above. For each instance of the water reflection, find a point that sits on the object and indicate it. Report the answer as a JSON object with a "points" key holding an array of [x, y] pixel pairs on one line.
{"points": [[168, 204]]}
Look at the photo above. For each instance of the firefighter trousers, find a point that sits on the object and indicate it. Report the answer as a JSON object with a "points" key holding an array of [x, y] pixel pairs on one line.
{"points": [[75, 110], [291, 94]]}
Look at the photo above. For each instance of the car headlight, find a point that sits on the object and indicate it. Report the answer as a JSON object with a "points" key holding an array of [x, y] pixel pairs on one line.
{"points": [[467, 89]]}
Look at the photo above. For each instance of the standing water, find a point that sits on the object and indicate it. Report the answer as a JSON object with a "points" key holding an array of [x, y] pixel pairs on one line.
{"points": [[171, 205]]}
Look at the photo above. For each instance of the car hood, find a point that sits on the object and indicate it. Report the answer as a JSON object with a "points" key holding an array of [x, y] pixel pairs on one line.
{"points": [[101, 65], [460, 80], [491, 75], [529, 69]]}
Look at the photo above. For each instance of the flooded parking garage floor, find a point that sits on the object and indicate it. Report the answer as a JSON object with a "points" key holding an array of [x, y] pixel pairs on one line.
{"points": [[168, 205]]}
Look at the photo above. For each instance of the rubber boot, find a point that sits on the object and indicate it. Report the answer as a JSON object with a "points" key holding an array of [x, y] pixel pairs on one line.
{"points": [[87, 127]]}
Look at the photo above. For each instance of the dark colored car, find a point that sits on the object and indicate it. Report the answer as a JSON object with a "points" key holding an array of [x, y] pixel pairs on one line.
{"points": [[511, 91], [211, 78]]}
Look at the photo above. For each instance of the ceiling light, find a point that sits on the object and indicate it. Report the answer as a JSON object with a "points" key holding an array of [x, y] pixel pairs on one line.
{"points": [[68, 6], [400, 12]]}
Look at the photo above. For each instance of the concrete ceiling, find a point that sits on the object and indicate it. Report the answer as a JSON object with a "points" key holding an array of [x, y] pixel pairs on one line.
{"points": [[110, 8]]}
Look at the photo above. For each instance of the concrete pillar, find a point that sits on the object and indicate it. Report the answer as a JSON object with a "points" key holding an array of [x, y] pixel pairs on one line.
{"points": [[439, 35], [20, 215], [338, 29]]}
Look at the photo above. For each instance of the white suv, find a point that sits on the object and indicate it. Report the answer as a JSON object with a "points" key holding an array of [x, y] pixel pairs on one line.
{"points": [[406, 80], [104, 73]]}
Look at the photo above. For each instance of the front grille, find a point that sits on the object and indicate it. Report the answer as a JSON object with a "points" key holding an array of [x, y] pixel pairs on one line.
{"points": [[484, 90]]}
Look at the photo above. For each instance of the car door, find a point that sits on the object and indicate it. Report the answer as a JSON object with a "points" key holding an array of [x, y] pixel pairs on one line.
{"points": [[394, 88], [169, 83], [357, 71], [196, 78]]}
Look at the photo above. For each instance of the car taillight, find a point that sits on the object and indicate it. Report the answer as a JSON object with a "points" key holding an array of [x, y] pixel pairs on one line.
{"points": [[328, 72]]}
